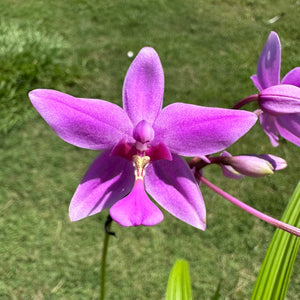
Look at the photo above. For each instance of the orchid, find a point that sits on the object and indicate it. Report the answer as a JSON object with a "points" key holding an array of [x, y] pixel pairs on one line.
{"points": [[279, 100], [141, 146]]}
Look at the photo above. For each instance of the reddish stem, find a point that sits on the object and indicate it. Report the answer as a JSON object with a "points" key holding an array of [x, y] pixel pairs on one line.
{"points": [[246, 100], [284, 226]]}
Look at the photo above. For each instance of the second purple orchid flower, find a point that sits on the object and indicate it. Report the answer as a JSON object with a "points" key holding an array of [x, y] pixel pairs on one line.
{"points": [[278, 100], [141, 146]]}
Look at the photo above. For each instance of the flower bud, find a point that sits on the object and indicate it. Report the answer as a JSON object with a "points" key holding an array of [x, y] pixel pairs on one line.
{"points": [[229, 171], [252, 166]]}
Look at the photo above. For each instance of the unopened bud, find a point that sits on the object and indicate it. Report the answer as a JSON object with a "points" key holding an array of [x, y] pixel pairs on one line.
{"points": [[249, 165]]}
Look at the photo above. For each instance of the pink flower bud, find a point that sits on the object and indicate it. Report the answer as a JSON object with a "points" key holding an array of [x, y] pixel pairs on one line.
{"points": [[249, 165]]}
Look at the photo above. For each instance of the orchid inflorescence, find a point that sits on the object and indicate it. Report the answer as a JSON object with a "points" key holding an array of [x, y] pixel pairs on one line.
{"points": [[142, 143]]}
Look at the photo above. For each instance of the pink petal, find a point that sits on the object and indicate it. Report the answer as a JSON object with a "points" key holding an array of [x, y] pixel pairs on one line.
{"points": [[173, 186], [268, 124], [136, 209], [144, 87], [289, 127], [108, 179], [87, 123], [256, 82], [268, 67], [280, 99], [192, 130], [292, 77]]}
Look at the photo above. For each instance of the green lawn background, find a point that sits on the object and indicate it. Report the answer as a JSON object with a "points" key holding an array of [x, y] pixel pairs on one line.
{"points": [[208, 49]]}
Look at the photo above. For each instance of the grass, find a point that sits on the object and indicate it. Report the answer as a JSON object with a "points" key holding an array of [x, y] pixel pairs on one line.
{"points": [[29, 58], [208, 50]]}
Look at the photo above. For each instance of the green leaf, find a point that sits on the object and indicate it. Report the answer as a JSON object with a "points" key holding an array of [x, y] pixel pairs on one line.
{"points": [[274, 277], [179, 283]]}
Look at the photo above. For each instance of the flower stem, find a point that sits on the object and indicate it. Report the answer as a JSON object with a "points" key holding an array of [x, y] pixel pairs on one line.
{"points": [[289, 228], [104, 255], [246, 100]]}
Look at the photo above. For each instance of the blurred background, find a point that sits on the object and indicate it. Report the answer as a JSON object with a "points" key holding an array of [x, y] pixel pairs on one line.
{"points": [[208, 50]]}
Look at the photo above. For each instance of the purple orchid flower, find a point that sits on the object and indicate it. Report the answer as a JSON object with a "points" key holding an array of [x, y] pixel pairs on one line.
{"points": [[279, 101], [141, 146]]}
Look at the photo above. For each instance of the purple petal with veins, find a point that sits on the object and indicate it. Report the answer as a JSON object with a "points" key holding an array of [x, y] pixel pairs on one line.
{"points": [[256, 82], [268, 123], [289, 127], [108, 179], [144, 87], [173, 186], [268, 67], [292, 77], [86, 123], [192, 130]]}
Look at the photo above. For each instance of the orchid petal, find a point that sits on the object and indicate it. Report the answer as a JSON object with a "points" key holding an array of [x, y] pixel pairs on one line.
{"points": [[268, 67], [87, 123], [173, 186], [256, 82], [136, 209], [144, 87], [192, 130], [292, 77], [108, 179], [289, 127], [268, 124], [280, 99]]}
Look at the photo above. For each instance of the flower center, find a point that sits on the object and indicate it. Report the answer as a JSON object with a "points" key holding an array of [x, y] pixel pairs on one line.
{"points": [[143, 133], [143, 147], [140, 163]]}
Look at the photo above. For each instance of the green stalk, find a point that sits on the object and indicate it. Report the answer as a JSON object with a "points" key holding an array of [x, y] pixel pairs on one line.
{"points": [[104, 256], [276, 271]]}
